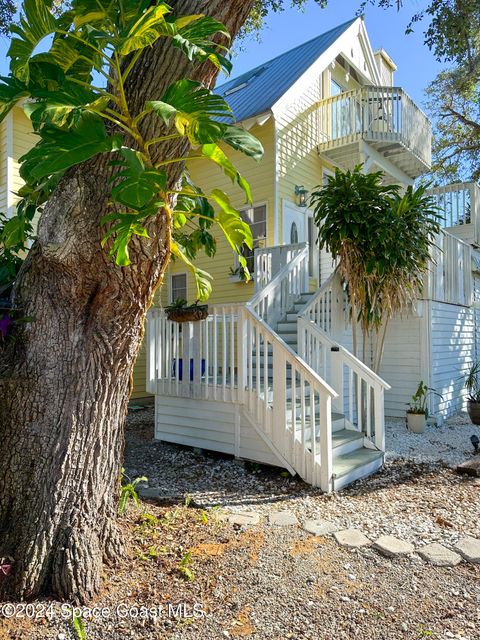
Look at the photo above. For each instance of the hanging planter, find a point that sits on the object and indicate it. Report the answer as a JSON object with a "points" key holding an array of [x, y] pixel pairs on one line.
{"points": [[180, 311]]}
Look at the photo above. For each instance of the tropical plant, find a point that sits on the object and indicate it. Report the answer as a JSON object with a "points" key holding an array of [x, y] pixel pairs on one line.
{"points": [[381, 240], [472, 382], [418, 403], [78, 627], [184, 567], [120, 101], [128, 492]]}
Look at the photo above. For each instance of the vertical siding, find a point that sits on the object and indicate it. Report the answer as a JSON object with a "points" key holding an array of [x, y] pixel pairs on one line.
{"points": [[453, 351], [402, 363]]}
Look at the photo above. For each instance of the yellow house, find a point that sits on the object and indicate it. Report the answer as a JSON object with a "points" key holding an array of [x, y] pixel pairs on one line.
{"points": [[270, 375]]}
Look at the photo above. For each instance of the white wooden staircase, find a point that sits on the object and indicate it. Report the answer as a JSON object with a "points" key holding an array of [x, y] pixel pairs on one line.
{"points": [[316, 407]]}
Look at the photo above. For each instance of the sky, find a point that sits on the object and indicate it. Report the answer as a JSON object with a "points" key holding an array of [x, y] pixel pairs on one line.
{"points": [[283, 31], [417, 67]]}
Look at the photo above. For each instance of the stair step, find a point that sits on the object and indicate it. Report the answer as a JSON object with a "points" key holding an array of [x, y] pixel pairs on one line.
{"points": [[355, 465], [287, 327]]}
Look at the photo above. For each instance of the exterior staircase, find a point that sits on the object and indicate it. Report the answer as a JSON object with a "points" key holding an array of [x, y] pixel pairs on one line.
{"points": [[275, 362]]}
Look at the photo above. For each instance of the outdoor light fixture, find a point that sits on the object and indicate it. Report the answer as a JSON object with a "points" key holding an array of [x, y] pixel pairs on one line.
{"points": [[301, 194]]}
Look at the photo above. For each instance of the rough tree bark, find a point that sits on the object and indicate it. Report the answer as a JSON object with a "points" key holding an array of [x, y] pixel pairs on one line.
{"points": [[64, 386]]}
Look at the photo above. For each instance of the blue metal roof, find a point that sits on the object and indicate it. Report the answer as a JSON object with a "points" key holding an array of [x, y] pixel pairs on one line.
{"points": [[256, 91]]}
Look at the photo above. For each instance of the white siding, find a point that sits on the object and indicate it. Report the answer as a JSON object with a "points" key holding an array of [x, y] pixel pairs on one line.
{"points": [[402, 363], [453, 351], [215, 426]]}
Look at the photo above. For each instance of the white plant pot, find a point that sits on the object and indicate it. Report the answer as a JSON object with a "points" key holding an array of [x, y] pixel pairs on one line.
{"points": [[416, 422]]}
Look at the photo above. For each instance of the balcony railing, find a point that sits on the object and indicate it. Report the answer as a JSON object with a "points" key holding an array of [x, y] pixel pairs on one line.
{"points": [[459, 204], [377, 115]]}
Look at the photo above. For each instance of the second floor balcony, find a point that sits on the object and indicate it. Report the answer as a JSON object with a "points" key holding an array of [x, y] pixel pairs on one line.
{"points": [[386, 119]]}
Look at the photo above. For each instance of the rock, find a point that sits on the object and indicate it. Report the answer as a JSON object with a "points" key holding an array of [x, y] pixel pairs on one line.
{"points": [[439, 555], [352, 538], [282, 518], [469, 548], [392, 547], [470, 467], [319, 527], [244, 518]]}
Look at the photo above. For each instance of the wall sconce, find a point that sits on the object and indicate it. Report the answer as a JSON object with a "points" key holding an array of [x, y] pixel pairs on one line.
{"points": [[301, 194]]}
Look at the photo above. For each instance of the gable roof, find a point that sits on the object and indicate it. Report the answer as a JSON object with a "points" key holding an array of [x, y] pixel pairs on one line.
{"points": [[257, 90]]}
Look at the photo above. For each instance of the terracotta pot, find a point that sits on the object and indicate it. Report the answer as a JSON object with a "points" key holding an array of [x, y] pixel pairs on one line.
{"points": [[473, 409], [188, 314], [416, 422]]}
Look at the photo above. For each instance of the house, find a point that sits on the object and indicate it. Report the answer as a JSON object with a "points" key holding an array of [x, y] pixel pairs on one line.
{"points": [[271, 373]]}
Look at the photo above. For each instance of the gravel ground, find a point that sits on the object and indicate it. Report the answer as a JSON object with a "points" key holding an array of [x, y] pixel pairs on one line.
{"points": [[449, 443], [275, 583]]}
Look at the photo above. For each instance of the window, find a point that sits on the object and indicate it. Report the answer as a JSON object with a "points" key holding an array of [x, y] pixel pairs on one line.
{"points": [[178, 287], [256, 218], [294, 233]]}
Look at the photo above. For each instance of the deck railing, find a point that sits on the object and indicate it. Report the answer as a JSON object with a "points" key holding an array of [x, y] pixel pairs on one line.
{"points": [[360, 390], [449, 277], [376, 114], [270, 260], [459, 204], [273, 301]]}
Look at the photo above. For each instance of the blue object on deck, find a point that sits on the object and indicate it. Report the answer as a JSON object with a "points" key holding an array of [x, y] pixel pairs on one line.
{"points": [[180, 368]]}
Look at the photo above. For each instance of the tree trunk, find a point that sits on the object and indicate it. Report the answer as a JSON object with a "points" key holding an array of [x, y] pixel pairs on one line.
{"points": [[66, 380]]}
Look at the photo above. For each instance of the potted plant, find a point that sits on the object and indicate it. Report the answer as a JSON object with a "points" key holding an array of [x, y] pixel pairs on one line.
{"points": [[472, 386], [239, 274], [417, 412], [181, 311]]}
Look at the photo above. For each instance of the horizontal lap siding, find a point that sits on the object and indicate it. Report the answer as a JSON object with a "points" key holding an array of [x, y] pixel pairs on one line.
{"points": [[402, 363], [209, 425], [453, 351], [3, 166]]}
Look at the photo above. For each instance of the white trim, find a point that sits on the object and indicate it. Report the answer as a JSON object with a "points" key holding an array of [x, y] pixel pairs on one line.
{"points": [[316, 68], [170, 285], [9, 162], [276, 187], [369, 152]]}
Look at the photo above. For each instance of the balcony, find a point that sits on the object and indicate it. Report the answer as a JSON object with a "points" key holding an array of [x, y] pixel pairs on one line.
{"points": [[385, 118], [459, 204]]}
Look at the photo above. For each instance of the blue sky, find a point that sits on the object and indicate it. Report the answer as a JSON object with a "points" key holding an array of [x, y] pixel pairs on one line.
{"points": [[283, 31], [386, 28]]}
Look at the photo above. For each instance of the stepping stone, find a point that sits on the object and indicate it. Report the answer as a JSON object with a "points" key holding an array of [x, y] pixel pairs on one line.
{"points": [[392, 547], [319, 527], [282, 518], [244, 518], [439, 555], [469, 548], [470, 467], [352, 538]]}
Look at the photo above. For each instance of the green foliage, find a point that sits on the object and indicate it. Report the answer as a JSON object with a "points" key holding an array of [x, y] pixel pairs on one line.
{"points": [[128, 492], [381, 239], [76, 120], [472, 382], [418, 403], [184, 567], [79, 627]]}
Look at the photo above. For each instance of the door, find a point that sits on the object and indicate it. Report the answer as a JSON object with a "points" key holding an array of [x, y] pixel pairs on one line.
{"points": [[298, 226]]}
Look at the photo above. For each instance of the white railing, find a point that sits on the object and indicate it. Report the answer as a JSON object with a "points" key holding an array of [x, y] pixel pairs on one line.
{"points": [[459, 204], [376, 114], [270, 260], [234, 356], [328, 309], [273, 301], [360, 390]]}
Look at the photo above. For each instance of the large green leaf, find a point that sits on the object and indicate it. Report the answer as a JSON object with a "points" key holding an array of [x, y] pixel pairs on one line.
{"points": [[243, 141], [202, 278], [194, 39], [58, 149], [62, 108], [216, 155], [236, 231], [137, 186], [127, 225], [11, 91], [147, 29], [36, 23]]}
